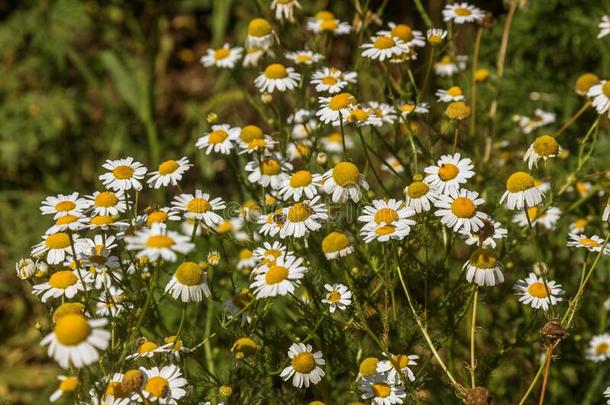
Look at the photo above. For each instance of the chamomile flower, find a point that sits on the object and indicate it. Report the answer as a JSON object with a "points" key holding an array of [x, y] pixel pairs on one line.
{"points": [[304, 368], [435, 36], [169, 172], [246, 259], [148, 349], [521, 191], [334, 109], [538, 293], [487, 234], [284, 9], [406, 34], [67, 384], [271, 223], [446, 67], [599, 348], [392, 165], [547, 218], [593, 243], [383, 111], [380, 391], [458, 210], [247, 134], [383, 47], [604, 27], [160, 215], [26, 268], [269, 171], [63, 283], [579, 225], [406, 108], [112, 302], [219, 139], [420, 196], [123, 174], [107, 202], [451, 94], [57, 246], [270, 252], [238, 304], [75, 340], [385, 220], [333, 142], [461, 13], [360, 117], [298, 150], [539, 119], [189, 282], [600, 93], [254, 55], [483, 268], [158, 243], [225, 57], [164, 385], [606, 213], [303, 217], [338, 297], [277, 77], [331, 80], [61, 205], [545, 146], [260, 35], [325, 21], [257, 145], [200, 206], [99, 262], [105, 223], [68, 223], [301, 183], [449, 173], [344, 182], [304, 57], [397, 364], [336, 244], [278, 278]]}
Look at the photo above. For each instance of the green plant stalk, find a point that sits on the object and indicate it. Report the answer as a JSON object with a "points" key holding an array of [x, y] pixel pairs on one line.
{"points": [[473, 83], [473, 327]]}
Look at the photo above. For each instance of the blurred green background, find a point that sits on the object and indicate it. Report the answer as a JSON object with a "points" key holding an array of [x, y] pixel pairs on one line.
{"points": [[83, 81]]}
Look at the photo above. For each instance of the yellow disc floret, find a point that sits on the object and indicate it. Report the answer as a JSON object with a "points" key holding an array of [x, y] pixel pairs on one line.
{"points": [[71, 329], [299, 212], [457, 110], [483, 259], [157, 386], [189, 273], [519, 181], [546, 145], [198, 205], [303, 362], [259, 27], [384, 43], [302, 178], [276, 71], [368, 366], [168, 167], [346, 174], [418, 189], [159, 241], [62, 279], [463, 207], [537, 290], [334, 242], [341, 101], [123, 172], [276, 274]]}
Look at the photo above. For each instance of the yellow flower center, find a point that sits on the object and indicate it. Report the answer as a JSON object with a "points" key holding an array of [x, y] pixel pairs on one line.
{"points": [[334, 296], [537, 290], [198, 205], [66, 219], [346, 174], [276, 71], [245, 254], [385, 230], [69, 384], [257, 144], [328, 25], [546, 145], [221, 53], [341, 101], [59, 240], [384, 43], [368, 366], [123, 172], [245, 346], [242, 298], [329, 80], [602, 348], [335, 137], [358, 115], [301, 178], [580, 223], [132, 380], [276, 274], [250, 132], [259, 27], [299, 212], [585, 82], [224, 227], [407, 107], [445, 60], [418, 189], [435, 39], [106, 199], [147, 347], [403, 32], [519, 181], [481, 75], [303, 58], [168, 167], [159, 241], [532, 213], [157, 386], [270, 167], [448, 171], [189, 273], [68, 308], [457, 110], [324, 15], [157, 216], [101, 220], [606, 89], [64, 206], [462, 11], [400, 361], [381, 390], [71, 329], [483, 259], [463, 207], [589, 242], [218, 136], [62, 279], [334, 242], [454, 91], [386, 215], [303, 363]]}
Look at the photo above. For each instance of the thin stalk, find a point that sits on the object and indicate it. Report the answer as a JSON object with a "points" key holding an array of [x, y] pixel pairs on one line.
{"points": [[422, 12], [182, 316], [572, 119], [473, 84], [547, 367], [473, 327]]}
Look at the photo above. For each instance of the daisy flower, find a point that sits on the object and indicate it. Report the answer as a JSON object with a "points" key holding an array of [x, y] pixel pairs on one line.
{"points": [[333, 109], [344, 182], [336, 244], [247, 134], [269, 171], [189, 282], [420, 196], [105, 222], [199, 206], [325, 21], [298, 150], [489, 232], [545, 147], [393, 165], [386, 219], [112, 302], [123, 174], [606, 214], [165, 385], [331, 80], [271, 223], [253, 56], [158, 243], [284, 9], [257, 145], [75, 340], [333, 142], [461, 13], [396, 364], [578, 226], [360, 116], [107, 202], [450, 172], [458, 210], [148, 349], [367, 367], [279, 278], [383, 111], [303, 217], [170, 171], [521, 191], [260, 35], [57, 246], [446, 67], [592, 244], [159, 215], [277, 76], [407, 108], [225, 57], [304, 57], [270, 252], [406, 34], [337, 297], [383, 47], [539, 119], [600, 93], [301, 183], [61, 205], [451, 94], [238, 304], [66, 384], [483, 268], [599, 348], [435, 36], [535, 292], [219, 139], [68, 223], [304, 368], [26, 268], [65, 283], [547, 218], [604, 27], [585, 82], [377, 389], [246, 259]]}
